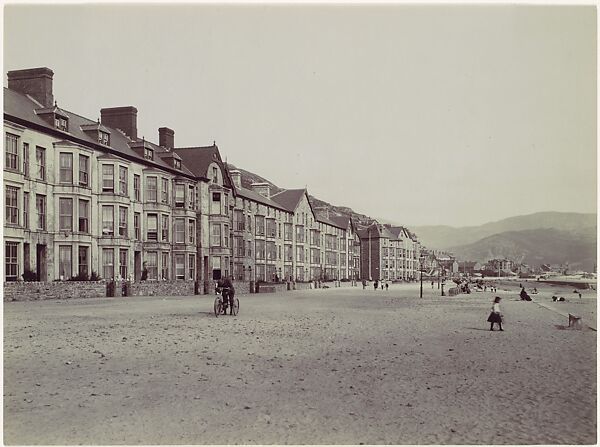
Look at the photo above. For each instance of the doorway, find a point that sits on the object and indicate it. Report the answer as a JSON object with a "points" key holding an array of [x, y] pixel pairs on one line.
{"points": [[40, 263], [137, 265]]}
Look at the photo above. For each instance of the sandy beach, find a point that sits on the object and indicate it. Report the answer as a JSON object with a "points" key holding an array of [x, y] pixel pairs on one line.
{"points": [[336, 366]]}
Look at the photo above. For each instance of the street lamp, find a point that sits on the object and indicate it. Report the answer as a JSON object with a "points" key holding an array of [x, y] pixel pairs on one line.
{"points": [[421, 268]]}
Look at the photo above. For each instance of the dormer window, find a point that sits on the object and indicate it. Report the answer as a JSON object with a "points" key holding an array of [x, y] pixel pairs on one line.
{"points": [[61, 123], [104, 138], [215, 175], [177, 163], [148, 153]]}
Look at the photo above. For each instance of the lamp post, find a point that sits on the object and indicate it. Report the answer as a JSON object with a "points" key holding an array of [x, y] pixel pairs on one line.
{"points": [[421, 268]]}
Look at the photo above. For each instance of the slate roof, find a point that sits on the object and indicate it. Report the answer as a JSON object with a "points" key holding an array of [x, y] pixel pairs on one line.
{"points": [[22, 107], [197, 159], [256, 197], [290, 198]]}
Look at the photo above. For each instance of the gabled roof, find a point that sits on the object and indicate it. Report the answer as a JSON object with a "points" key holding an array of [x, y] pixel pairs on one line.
{"points": [[256, 197], [290, 198], [341, 221], [198, 159], [22, 107], [323, 218]]}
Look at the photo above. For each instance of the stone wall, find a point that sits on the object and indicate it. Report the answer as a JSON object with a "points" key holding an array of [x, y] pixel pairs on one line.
{"points": [[30, 291], [162, 288]]}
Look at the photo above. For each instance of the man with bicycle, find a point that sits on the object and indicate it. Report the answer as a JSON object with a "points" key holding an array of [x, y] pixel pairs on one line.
{"points": [[228, 291]]}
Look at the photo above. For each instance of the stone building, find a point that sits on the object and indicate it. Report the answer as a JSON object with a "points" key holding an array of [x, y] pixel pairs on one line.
{"points": [[388, 253], [87, 195]]}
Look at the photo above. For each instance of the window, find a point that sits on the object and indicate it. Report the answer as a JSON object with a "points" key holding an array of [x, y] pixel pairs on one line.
{"points": [[299, 254], [151, 189], [123, 217], [287, 231], [164, 198], [149, 153], [108, 178], [152, 234], [271, 228], [136, 226], [192, 197], [260, 272], [215, 204], [123, 263], [192, 266], [12, 205], [61, 123], [239, 220], [66, 168], [165, 265], [65, 210], [260, 249], [40, 205], [179, 195], [271, 251], [288, 254], [177, 163], [65, 262], [84, 216], [26, 209], [226, 205], [108, 263], [123, 181], [104, 138], [226, 236], [215, 175], [40, 158], [108, 220], [83, 260], [84, 170], [11, 272], [239, 246], [299, 234], [179, 266], [180, 231], [12, 152], [249, 249], [136, 187], [152, 264], [260, 225], [192, 231], [26, 159], [164, 227], [215, 235]]}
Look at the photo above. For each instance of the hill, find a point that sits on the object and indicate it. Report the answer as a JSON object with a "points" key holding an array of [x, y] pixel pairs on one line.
{"points": [[536, 247], [444, 237]]}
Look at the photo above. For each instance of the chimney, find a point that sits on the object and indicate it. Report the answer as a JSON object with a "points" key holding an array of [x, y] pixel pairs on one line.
{"points": [[166, 138], [264, 189], [236, 176], [35, 82], [124, 118]]}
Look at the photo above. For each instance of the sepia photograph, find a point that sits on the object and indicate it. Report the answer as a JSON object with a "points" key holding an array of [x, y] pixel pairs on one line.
{"points": [[300, 224]]}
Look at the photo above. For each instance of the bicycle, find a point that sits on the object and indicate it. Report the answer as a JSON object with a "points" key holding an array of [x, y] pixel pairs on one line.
{"points": [[220, 305]]}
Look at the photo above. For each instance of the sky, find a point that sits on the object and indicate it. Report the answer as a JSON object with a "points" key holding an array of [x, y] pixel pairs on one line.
{"points": [[421, 115]]}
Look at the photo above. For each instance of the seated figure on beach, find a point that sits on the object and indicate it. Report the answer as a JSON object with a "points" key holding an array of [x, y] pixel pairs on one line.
{"points": [[524, 295]]}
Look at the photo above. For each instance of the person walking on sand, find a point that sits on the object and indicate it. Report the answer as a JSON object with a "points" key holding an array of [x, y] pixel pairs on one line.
{"points": [[387, 285], [375, 285], [495, 315]]}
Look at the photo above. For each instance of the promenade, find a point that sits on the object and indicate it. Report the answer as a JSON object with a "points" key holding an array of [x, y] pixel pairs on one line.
{"points": [[343, 366]]}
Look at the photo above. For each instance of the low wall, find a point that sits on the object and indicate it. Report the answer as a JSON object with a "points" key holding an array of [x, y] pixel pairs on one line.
{"points": [[162, 288], [31, 291]]}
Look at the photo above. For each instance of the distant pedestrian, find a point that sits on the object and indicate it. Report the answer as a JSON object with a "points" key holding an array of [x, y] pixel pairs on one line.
{"points": [[382, 285], [495, 315], [387, 285], [375, 285], [579, 295], [364, 283], [485, 288], [432, 284]]}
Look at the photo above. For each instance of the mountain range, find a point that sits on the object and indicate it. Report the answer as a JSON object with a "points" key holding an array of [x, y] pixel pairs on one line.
{"points": [[534, 239]]}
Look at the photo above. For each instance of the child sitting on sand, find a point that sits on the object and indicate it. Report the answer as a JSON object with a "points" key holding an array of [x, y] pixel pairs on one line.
{"points": [[495, 315]]}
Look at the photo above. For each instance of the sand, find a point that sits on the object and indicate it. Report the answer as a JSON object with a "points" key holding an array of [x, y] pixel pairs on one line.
{"points": [[336, 366]]}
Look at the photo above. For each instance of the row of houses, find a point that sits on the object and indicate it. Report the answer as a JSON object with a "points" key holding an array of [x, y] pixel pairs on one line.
{"points": [[86, 197]]}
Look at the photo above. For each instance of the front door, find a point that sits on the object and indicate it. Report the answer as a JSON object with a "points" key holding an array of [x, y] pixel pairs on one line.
{"points": [[40, 266], [137, 265]]}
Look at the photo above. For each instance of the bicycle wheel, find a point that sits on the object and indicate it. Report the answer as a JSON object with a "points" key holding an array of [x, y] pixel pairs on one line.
{"points": [[218, 307], [236, 306]]}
